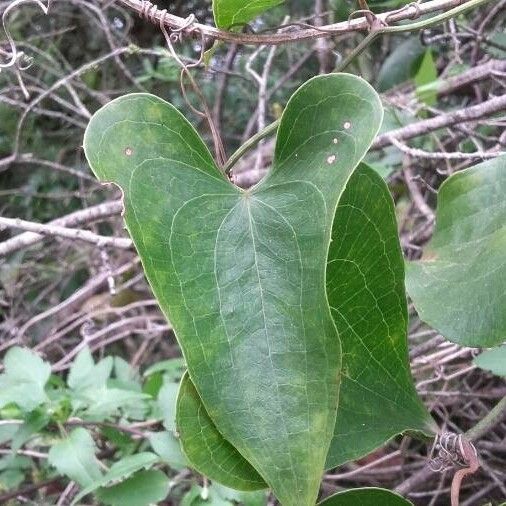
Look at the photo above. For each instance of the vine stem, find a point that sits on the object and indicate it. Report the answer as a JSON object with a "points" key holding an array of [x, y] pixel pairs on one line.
{"points": [[495, 416], [487, 423], [470, 456], [306, 33], [250, 144]]}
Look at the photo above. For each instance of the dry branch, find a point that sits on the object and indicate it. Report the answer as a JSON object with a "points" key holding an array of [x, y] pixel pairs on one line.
{"points": [[76, 234], [74, 219], [472, 113]]}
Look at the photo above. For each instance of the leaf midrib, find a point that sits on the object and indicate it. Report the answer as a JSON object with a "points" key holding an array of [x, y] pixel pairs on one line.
{"points": [[264, 318]]}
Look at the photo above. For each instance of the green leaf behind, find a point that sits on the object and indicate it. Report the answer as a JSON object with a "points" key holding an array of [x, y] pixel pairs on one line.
{"points": [[426, 79], [119, 471], [167, 447], [205, 447], [401, 64], [84, 374], [459, 287], [493, 360], [365, 287], [167, 403], [128, 465], [366, 497]]}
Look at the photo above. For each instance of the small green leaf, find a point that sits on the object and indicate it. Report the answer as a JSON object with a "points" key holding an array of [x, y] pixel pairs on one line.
{"points": [[493, 360], [125, 376], [119, 471], [192, 495], [495, 44], [12, 471], [25, 377], [75, 457], [11, 479], [401, 64], [87, 375], [167, 447], [174, 368], [15, 462], [167, 403], [97, 396], [81, 373], [366, 497], [209, 496], [123, 441], [458, 287], [256, 498], [101, 403], [7, 432], [129, 465], [33, 423], [426, 79], [153, 384], [206, 448], [232, 13], [141, 489]]}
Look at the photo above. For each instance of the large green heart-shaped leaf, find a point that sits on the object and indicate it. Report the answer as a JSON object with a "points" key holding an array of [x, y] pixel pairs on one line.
{"points": [[366, 497], [365, 287], [459, 285], [241, 274], [229, 13]]}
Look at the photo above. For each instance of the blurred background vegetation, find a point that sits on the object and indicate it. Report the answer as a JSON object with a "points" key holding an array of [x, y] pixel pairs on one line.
{"points": [[68, 299]]}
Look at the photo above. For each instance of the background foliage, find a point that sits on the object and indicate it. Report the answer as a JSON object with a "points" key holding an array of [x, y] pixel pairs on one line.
{"points": [[91, 407]]}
